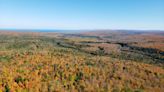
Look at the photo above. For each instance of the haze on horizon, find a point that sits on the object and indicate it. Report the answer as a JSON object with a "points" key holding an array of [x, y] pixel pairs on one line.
{"points": [[82, 14]]}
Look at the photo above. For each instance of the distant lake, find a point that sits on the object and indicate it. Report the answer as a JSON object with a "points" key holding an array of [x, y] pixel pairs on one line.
{"points": [[43, 30]]}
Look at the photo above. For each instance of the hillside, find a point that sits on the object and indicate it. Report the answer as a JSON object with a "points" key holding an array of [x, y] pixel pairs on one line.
{"points": [[81, 62]]}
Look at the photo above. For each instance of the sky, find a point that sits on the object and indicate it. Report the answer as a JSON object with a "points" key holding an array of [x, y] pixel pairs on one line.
{"points": [[82, 14]]}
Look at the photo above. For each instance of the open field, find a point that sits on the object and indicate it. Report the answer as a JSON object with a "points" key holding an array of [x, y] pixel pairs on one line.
{"points": [[96, 61]]}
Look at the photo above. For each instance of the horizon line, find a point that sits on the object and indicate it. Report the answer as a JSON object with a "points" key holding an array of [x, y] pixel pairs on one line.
{"points": [[60, 29]]}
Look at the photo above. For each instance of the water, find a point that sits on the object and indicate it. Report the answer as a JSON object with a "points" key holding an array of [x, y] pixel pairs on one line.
{"points": [[42, 30]]}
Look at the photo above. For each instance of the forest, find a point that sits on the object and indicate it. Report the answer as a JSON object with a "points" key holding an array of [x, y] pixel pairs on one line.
{"points": [[96, 61]]}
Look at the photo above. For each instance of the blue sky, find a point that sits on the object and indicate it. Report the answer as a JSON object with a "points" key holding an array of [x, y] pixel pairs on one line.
{"points": [[82, 14]]}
